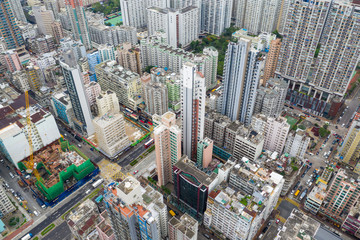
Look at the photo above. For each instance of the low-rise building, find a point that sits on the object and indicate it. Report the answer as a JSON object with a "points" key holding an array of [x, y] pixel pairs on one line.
{"points": [[315, 198], [62, 107], [239, 208], [110, 133], [297, 144], [185, 228], [126, 84], [248, 144]]}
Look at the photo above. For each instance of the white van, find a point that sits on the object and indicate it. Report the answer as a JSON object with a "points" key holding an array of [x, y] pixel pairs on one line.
{"points": [[36, 213]]}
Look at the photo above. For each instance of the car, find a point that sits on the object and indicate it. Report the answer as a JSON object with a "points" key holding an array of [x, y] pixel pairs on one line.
{"points": [[8, 167], [277, 221], [317, 153], [34, 197], [79, 145], [310, 183], [265, 229], [291, 107], [21, 198], [11, 175], [269, 223], [310, 164], [303, 175], [135, 172], [292, 192], [311, 175], [88, 191], [336, 127], [36, 213]]}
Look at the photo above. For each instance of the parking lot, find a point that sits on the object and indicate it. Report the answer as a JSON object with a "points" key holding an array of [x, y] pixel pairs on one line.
{"points": [[25, 193]]}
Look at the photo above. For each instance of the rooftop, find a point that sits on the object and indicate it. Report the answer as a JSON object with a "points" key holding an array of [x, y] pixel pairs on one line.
{"points": [[186, 225], [300, 225], [187, 166], [115, 70]]}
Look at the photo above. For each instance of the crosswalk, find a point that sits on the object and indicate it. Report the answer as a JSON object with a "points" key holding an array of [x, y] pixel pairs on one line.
{"points": [[278, 203], [292, 202]]}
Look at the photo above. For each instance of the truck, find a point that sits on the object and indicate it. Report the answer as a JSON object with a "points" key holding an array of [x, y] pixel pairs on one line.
{"points": [[303, 194], [27, 236], [97, 183], [41, 203], [297, 193]]}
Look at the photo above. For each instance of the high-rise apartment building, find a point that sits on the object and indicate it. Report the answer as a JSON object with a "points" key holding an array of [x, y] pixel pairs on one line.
{"points": [[135, 212], [297, 144], [155, 52], [167, 137], [11, 60], [216, 16], [271, 60], [258, 15], [349, 151], [79, 25], [106, 52], [6, 206], [35, 77], [181, 26], [270, 99], [156, 98], [44, 19], [193, 109], [129, 57], [9, 29], [352, 222], [341, 196], [57, 31], [185, 228], [110, 133], [113, 35], [134, 11], [276, 131], [106, 102], [313, 56], [54, 6], [75, 86], [241, 79], [17, 10]]}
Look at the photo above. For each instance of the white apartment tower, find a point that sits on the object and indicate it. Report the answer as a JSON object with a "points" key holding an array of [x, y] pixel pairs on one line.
{"points": [[297, 144], [107, 101], [79, 25], [134, 11], [167, 138], [193, 109], [276, 131], [181, 26], [314, 55], [241, 79], [216, 16], [258, 15], [110, 133], [106, 52]]}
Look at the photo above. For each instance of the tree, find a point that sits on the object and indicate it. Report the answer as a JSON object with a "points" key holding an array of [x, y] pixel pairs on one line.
{"points": [[323, 132], [148, 68], [108, 24]]}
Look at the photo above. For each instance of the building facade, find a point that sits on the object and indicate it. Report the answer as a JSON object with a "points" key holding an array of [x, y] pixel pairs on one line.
{"points": [[167, 137], [79, 25], [156, 98], [193, 109], [9, 29], [241, 79]]}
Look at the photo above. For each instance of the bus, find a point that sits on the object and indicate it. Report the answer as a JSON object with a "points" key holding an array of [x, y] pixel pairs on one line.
{"points": [[149, 143], [297, 193], [134, 116], [129, 110]]}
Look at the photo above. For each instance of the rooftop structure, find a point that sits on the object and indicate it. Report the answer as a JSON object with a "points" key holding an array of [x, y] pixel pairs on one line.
{"points": [[185, 228], [299, 225], [315, 198]]}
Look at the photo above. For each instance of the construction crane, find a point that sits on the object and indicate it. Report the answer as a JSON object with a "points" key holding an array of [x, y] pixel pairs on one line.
{"points": [[30, 162]]}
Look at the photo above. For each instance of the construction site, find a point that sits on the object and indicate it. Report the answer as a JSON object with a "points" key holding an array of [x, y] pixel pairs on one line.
{"points": [[58, 168]]}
